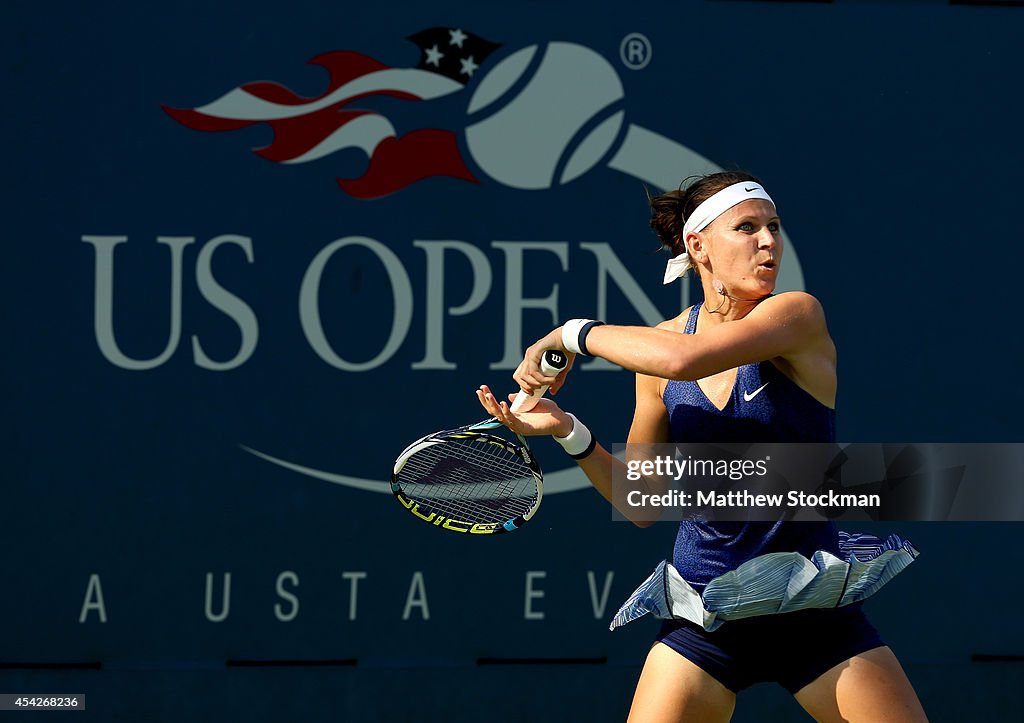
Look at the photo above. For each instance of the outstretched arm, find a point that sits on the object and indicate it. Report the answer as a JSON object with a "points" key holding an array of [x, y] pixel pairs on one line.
{"points": [[790, 326]]}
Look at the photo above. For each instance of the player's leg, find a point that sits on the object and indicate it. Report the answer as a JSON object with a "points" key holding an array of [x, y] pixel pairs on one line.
{"points": [[672, 688], [868, 688]]}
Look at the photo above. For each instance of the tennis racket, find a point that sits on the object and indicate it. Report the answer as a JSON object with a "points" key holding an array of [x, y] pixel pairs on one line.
{"points": [[471, 481]]}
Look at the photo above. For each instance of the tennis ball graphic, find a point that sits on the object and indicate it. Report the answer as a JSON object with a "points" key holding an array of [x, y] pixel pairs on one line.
{"points": [[532, 119]]}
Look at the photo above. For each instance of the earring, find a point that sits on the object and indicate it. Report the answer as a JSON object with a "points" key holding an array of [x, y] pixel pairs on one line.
{"points": [[718, 286]]}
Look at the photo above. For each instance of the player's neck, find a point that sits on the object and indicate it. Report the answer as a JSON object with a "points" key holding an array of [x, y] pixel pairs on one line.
{"points": [[718, 309]]}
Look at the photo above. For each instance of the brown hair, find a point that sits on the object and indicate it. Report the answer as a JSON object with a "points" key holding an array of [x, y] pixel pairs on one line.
{"points": [[669, 211]]}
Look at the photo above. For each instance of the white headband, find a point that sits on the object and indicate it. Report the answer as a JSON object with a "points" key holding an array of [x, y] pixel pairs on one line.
{"points": [[707, 212]]}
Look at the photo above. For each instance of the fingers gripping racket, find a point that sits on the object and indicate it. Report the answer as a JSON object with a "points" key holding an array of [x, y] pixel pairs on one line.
{"points": [[471, 481]]}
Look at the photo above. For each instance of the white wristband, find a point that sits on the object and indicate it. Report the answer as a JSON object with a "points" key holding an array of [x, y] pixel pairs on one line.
{"points": [[574, 334], [579, 443]]}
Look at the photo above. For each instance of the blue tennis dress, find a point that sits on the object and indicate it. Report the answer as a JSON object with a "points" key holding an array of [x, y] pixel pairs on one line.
{"points": [[732, 570]]}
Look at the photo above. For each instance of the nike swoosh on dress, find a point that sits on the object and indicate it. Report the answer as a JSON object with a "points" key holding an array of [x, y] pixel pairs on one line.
{"points": [[747, 396]]}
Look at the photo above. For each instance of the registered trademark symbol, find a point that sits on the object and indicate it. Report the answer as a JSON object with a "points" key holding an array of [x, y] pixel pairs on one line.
{"points": [[635, 51]]}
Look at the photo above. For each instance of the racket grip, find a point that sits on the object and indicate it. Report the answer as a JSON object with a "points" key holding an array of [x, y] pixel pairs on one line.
{"points": [[552, 362]]}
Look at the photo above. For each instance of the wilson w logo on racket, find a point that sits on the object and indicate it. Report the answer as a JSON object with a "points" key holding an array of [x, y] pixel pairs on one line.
{"points": [[469, 479]]}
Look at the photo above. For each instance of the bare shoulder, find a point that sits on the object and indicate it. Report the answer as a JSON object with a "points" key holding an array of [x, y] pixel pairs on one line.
{"points": [[812, 362], [793, 309], [795, 303]]}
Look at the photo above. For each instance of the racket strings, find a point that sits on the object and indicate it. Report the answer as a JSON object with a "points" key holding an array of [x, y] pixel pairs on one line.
{"points": [[471, 479]]}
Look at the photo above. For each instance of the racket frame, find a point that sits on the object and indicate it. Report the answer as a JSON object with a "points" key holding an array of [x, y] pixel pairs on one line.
{"points": [[553, 361], [474, 432]]}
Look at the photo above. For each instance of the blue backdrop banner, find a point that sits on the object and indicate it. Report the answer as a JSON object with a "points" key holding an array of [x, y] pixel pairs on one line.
{"points": [[253, 250]]}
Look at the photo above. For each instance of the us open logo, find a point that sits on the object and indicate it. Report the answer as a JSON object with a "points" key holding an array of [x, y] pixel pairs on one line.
{"points": [[536, 118]]}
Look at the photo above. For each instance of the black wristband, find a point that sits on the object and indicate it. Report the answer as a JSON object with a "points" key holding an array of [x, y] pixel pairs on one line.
{"points": [[583, 336]]}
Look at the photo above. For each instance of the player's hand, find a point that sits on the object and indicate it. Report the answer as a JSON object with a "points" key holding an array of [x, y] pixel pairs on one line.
{"points": [[528, 374], [544, 418]]}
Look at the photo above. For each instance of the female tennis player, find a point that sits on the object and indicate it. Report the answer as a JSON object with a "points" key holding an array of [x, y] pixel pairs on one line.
{"points": [[743, 366]]}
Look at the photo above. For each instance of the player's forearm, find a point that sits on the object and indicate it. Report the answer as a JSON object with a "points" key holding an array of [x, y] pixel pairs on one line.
{"points": [[608, 476], [654, 352]]}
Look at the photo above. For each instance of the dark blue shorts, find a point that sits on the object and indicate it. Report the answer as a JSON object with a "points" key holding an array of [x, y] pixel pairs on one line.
{"points": [[791, 649]]}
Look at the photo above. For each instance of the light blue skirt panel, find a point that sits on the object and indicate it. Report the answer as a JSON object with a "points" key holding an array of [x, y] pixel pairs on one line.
{"points": [[778, 582]]}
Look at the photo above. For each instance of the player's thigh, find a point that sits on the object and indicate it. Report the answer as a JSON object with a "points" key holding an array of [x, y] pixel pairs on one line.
{"points": [[868, 688], [672, 688]]}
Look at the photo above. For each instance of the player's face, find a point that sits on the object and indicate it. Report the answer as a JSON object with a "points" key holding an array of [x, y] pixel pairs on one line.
{"points": [[745, 247]]}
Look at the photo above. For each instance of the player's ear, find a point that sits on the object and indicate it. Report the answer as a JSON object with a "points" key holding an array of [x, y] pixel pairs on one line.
{"points": [[695, 244]]}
